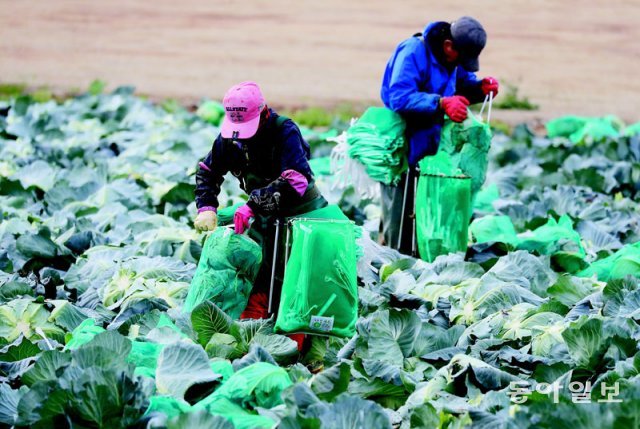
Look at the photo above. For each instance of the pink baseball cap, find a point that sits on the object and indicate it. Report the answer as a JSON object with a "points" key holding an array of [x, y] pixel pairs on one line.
{"points": [[243, 104]]}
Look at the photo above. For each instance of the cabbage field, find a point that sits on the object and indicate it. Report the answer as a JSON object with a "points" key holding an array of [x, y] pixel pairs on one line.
{"points": [[537, 326]]}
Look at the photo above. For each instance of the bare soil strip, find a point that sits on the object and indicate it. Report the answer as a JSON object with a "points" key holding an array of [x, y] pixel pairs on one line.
{"points": [[568, 56]]}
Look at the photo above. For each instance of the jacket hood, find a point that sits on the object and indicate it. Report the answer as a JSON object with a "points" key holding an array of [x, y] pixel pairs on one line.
{"points": [[429, 27]]}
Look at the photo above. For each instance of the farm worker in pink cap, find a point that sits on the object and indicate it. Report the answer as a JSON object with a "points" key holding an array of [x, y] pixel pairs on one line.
{"points": [[268, 155]]}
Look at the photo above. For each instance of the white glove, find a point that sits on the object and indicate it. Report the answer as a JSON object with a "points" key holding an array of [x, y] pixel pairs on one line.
{"points": [[206, 221]]}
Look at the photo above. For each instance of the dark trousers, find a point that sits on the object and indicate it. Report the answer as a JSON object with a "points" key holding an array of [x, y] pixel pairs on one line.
{"points": [[392, 201], [263, 231]]}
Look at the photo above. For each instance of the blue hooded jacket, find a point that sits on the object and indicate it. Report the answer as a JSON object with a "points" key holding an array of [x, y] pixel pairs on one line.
{"points": [[413, 83]]}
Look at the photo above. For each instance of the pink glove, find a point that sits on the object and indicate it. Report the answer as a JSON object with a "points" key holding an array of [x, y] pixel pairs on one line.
{"points": [[241, 218], [490, 84], [296, 180]]}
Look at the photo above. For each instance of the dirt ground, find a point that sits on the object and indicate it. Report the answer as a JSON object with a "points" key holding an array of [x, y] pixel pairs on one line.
{"points": [[568, 56]]}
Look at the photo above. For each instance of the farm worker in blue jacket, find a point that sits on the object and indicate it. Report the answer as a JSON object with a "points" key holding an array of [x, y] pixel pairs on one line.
{"points": [[429, 75], [268, 155]]}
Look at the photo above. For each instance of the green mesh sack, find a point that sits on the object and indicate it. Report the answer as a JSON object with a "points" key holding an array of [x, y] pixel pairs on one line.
{"points": [[484, 199], [443, 210], [240, 417], [494, 228], [225, 215], [553, 236], [167, 405], [82, 334], [258, 385], [564, 126], [597, 130], [377, 141], [581, 129], [144, 355], [559, 240], [330, 211], [226, 271], [467, 144], [625, 262], [319, 292]]}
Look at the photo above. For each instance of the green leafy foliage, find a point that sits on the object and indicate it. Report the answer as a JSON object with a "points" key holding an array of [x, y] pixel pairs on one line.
{"points": [[512, 100], [97, 255]]}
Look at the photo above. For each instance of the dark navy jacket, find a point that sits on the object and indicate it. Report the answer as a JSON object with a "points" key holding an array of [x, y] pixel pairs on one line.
{"points": [[257, 162], [413, 83]]}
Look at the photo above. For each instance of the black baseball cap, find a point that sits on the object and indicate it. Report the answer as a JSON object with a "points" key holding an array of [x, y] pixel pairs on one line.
{"points": [[469, 39]]}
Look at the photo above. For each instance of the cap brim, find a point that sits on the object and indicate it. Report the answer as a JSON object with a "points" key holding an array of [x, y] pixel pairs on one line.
{"points": [[470, 64], [245, 130]]}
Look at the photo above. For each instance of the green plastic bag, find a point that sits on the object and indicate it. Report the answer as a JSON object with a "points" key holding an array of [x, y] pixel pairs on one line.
{"points": [[443, 210], [258, 385], [580, 129], [167, 405], [83, 333], [484, 199], [226, 271], [330, 211], [559, 240], [596, 130], [225, 215], [494, 228], [377, 141], [624, 262], [320, 291], [551, 237], [240, 417], [144, 355], [564, 126], [467, 145], [222, 367]]}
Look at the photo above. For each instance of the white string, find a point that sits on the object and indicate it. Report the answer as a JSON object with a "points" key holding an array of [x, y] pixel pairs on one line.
{"points": [[484, 104], [487, 98], [490, 105]]}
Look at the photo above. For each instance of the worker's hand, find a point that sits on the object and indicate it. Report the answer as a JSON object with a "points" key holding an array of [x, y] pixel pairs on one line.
{"points": [[267, 200], [207, 220], [455, 107], [242, 218], [490, 84]]}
